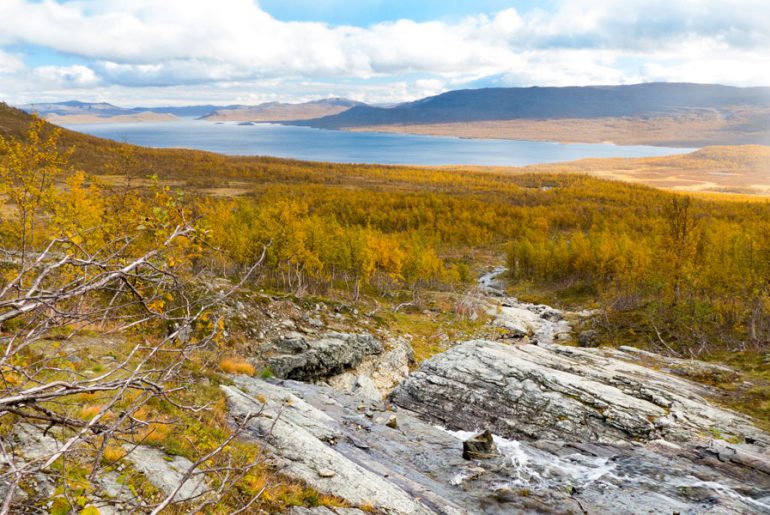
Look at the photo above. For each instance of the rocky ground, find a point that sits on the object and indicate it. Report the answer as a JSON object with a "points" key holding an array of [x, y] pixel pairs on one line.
{"points": [[574, 430], [523, 421]]}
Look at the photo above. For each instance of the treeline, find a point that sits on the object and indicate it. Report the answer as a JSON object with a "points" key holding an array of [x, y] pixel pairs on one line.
{"points": [[698, 273], [318, 250]]}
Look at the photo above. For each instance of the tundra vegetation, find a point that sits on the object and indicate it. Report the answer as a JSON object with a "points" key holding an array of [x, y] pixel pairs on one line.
{"points": [[116, 259]]}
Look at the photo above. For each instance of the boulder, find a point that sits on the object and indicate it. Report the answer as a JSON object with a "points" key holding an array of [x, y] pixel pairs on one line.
{"points": [[588, 338], [479, 447], [295, 357]]}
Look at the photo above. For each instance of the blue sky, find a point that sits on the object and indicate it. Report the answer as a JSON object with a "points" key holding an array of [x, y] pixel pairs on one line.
{"points": [[369, 12], [151, 52]]}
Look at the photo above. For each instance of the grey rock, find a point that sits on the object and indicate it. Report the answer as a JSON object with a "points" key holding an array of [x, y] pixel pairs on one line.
{"points": [[332, 354], [315, 322], [551, 314], [479, 447], [31, 443], [365, 389], [557, 392], [384, 371], [491, 284], [588, 338], [165, 471], [310, 440], [326, 473], [324, 430], [292, 342], [522, 321]]}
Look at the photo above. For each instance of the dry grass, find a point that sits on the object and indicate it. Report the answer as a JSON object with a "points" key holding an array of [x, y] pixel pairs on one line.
{"points": [[89, 412], [155, 433], [726, 172], [237, 366], [113, 454]]}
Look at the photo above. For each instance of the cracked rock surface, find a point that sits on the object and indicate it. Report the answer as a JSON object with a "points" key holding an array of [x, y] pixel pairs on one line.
{"points": [[559, 392], [295, 356], [346, 447]]}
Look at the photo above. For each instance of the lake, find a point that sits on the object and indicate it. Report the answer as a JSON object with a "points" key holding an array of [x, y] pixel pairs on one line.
{"points": [[355, 147]]}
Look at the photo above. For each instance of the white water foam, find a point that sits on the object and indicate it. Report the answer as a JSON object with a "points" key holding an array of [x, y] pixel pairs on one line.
{"points": [[538, 469]]}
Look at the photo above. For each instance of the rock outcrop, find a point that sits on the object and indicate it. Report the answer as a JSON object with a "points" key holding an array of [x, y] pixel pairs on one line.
{"points": [[558, 392], [109, 492], [377, 374], [340, 446], [166, 472], [517, 425], [310, 442], [294, 356], [521, 321]]}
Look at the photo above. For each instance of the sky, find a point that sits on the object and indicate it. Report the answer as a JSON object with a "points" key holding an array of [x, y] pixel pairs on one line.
{"points": [[183, 52]]}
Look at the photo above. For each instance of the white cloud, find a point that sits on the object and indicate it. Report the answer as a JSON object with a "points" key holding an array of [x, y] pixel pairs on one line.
{"points": [[65, 76], [233, 45], [10, 63]]}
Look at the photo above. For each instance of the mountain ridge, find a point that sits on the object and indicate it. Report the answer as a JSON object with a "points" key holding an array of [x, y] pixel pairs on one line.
{"points": [[536, 102]]}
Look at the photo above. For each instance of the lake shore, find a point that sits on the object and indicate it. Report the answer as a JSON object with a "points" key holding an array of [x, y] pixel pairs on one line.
{"points": [[686, 130]]}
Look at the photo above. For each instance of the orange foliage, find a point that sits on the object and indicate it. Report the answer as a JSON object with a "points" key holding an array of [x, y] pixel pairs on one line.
{"points": [[237, 366]]}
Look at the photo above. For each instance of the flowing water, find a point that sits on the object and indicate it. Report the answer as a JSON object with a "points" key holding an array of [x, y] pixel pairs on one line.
{"points": [[600, 472], [622, 473]]}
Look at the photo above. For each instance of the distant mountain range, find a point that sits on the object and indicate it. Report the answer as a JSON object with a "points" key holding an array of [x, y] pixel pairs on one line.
{"points": [[105, 110], [277, 111], [74, 111], [549, 103], [667, 114]]}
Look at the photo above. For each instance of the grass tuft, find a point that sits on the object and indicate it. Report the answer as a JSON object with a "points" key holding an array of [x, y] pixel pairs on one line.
{"points": [[237, 366]]}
